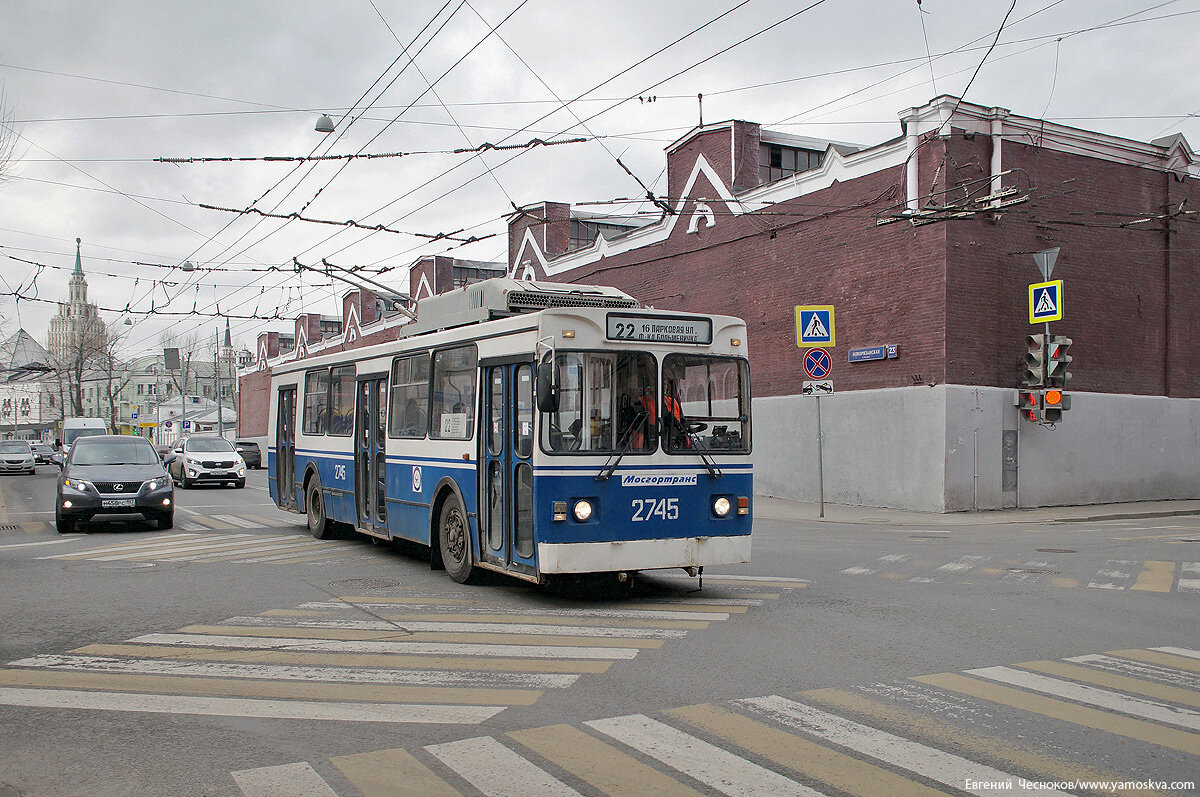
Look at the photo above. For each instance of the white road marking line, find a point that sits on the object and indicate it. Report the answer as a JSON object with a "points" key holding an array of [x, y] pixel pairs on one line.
{"points": [[962, 564], [1188, 585], [859, 571], [707, 763], [283, 672], [1140, 669], [148, 543], [176, 548], [387, 646], [1188, 652], [287, 780], [247, 707], [1094, 696], [234, 520], [1120, 569], [322, 545], [478, 628], [1018, 575], [72, 538], [895, 557], [929, 762], [496, 770], [277, 546], [639, 614]]}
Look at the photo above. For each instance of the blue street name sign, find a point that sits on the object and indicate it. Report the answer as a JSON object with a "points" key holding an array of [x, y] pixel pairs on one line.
{"points": [[869, 353]]}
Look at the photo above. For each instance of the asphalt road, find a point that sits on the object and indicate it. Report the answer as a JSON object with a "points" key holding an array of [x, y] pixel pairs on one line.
{"points": [[235, 655]]}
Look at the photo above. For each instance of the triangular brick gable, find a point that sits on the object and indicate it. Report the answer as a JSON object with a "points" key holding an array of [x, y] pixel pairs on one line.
{"points": [[704, 200]]}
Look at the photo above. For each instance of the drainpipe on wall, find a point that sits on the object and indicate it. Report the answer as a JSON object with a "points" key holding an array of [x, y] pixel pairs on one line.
{"points": [[910, 163], [997, 115]]}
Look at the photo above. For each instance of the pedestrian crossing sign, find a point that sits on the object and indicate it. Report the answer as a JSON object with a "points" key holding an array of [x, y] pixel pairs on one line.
{"points": [[1046, 301], [814, 325]]}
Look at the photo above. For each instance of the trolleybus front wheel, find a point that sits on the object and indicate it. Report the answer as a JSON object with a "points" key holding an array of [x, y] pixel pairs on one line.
{"points": [[454, 540]]}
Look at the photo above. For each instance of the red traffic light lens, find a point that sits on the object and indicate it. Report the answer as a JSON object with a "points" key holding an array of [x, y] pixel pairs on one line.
{"points": [[1053, 397]]}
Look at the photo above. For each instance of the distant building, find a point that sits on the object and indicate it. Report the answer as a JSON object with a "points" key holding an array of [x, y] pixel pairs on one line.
{"points": [[77, 328]]}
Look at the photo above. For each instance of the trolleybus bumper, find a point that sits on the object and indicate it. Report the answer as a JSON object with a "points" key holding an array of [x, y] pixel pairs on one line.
{"points": [[605, 557]]}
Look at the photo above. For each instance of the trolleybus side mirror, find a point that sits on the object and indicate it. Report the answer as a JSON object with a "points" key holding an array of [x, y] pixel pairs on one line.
{"points": [[547, 391]]}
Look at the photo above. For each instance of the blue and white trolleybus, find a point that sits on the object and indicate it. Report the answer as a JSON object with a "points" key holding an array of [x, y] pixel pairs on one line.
{"points": [[541, 430]]}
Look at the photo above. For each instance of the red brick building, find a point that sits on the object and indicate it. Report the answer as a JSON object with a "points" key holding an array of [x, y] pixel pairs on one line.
{"points": [[924, 242]]}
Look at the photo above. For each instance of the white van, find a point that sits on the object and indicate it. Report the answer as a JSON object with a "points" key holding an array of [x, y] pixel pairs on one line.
{"points": [[75, 428]]}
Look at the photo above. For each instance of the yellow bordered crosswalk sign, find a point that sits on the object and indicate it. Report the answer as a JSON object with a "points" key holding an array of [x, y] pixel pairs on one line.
{"points": [[814, 325], [1046, 301]]}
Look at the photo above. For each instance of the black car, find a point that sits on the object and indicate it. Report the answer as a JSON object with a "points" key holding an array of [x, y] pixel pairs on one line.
{"points": [[250, 453], [113, 475], [42, 452]]}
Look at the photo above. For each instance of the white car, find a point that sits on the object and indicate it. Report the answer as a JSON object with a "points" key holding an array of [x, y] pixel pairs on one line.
{"points": [[206, 460], [16, 457]]}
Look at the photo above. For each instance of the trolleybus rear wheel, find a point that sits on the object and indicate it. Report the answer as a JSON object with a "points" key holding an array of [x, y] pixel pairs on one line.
{"points": [[454, 540], [318, 524]]}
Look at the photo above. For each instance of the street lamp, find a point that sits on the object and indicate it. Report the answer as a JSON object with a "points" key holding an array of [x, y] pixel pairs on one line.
{"points": [[324, 124]]}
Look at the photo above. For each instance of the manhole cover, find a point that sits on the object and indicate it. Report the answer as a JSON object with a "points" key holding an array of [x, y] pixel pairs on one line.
{"points": [[124, 565], [364, 583], [1035, 570], [1056, 550]]}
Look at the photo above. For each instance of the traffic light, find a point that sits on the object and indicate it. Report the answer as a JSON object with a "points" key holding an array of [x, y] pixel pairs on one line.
{"points": [[1030, 405], [1054, 401], [1057, 361], [1033, 368]]}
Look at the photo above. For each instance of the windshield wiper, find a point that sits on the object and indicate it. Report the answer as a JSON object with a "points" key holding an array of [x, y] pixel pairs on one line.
{"points": [[622, 448], [713, 470]]}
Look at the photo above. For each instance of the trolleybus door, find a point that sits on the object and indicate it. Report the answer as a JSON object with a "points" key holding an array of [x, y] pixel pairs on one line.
{"points": [[285, 448], [370, 466], [506, 469]]}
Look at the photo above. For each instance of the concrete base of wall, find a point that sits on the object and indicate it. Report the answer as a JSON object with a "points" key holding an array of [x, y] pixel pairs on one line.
{"points": [[942, 449]]}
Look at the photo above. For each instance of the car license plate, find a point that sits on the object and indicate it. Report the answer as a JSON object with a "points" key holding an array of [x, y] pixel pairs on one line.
{"points": [[118, 503]]}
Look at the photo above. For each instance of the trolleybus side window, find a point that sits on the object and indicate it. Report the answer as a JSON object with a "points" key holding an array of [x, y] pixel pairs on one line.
{"points": [[607, 402], [410, 396], [706, 403], [452, 401], [341, 401], [316, 402]]}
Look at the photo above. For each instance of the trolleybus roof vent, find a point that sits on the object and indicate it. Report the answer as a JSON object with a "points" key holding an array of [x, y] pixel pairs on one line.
{"points": [[502, 296]]}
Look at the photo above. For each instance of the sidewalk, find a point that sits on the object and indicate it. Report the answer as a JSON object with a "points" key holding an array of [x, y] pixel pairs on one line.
{"points": [[779, 509]]}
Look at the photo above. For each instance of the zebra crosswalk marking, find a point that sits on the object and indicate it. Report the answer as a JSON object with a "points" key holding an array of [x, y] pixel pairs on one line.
{"points": [[288, 780], [643, 610], [307, 674], [707, 763], [258, 546], [1157, 656], [145, 543], [1115, 570], [1101, 698], [1124, 683], [497, 771], [413, 627], [962, 564], [1155, 577], [951, 735], [389, 631], [1185, 652], [176, 551], [1086, 716], [391, 660], [333, 549], [838, 770], [279, 690], [392, 773], [601, 765], [247, 707], [928, 762], [238, 521], [539, 651], [1150, 672]]}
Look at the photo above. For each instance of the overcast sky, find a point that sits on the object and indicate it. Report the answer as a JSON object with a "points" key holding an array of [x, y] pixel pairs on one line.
{"points": [[94, 92]]}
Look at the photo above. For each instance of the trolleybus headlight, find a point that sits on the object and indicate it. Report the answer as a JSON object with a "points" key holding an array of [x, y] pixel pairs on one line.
{"points": [[583, 511], [721, 506]]}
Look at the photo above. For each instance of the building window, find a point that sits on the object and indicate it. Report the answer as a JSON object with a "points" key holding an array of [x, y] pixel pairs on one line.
{"points": [[776, 161], [140, 388], [584, 232]]}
